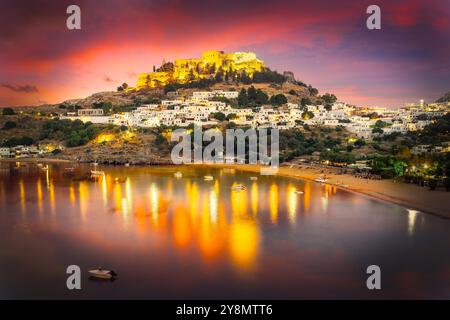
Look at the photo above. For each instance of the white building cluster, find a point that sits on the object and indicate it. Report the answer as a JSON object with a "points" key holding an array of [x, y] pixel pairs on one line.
{"points": [[200, 108], [22, 151]]}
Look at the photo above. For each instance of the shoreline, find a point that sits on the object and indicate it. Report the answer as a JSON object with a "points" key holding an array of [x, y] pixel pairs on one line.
{"points": [[409, 196], [36, 160]]}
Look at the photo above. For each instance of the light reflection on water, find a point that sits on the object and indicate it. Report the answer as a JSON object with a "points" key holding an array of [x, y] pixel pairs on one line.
{"points": [[264, 241]]}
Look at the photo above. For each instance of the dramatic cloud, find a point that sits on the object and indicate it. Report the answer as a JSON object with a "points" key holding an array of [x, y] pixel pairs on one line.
{"points": [[25, 89], [326, 43]]}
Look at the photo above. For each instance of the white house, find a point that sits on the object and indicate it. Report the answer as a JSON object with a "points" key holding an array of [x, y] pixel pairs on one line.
{"points": [[5, 152], [90, 112]]}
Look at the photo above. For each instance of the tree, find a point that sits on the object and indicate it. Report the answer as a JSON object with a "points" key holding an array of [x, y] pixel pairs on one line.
{"points": [[9, 125], [377, 130], [268, 76], [22, 141], [422, 117], [399, 167], [251, 93], [373, 115], [337, 157], [404, 153], [231, 116], [169, 88], [8, 112], [243, 97], [305, 101], [160, 139], [219, 116], [105, 106], [307, 115], [278, 99], [359, 143], [329, 98], [381, 124], [74, 140], [245, 78], [261, 97], [219, 76]]}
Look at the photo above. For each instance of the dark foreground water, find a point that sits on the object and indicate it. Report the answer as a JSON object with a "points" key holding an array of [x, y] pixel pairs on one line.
{"points": [[190, 238]]}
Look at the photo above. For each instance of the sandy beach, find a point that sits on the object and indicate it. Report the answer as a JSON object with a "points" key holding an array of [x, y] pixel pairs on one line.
{"points": [[410, 196]]}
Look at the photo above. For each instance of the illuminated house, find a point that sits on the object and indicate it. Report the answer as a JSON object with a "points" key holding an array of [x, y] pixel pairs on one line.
{"points": [[211, 63], [90, 112]]}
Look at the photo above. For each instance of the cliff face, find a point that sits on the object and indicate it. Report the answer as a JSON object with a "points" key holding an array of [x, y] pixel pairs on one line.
{"points": [[211, 63]]}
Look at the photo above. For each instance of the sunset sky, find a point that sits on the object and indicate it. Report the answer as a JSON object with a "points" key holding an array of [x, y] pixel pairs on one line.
{"points": [[325, 43]]}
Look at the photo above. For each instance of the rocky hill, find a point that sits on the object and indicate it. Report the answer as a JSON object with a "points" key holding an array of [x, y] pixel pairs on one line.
{"points": [[444, 98], [212, 64]]}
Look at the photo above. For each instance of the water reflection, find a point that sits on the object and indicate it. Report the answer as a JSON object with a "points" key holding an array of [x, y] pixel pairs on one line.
{"points": [[193, 214], [208, 221], [22, 197], [292, 202], [39, 195], [412, 216], [273, 202]]}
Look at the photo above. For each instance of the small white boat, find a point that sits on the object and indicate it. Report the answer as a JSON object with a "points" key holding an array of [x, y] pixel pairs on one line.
{"points": [[40, 165], [127, 164], [45, 168], [208, 178], [238, 187], [321, 180], [178, 175], [102, 274], [253, 178], [94, 164], [299, 192], [96, 173]]}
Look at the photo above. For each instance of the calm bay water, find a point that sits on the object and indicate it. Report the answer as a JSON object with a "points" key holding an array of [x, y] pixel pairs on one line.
{"points": [[190, 238]]}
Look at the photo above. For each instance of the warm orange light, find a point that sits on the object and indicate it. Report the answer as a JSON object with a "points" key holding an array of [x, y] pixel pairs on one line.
{"points": [[273, 203], [105, 137], [244, 242]]}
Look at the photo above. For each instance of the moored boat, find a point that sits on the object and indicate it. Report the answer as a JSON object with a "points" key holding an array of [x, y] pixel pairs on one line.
{"points": [[97, 173], [99, 273], [178, 175], [238, 187]]}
